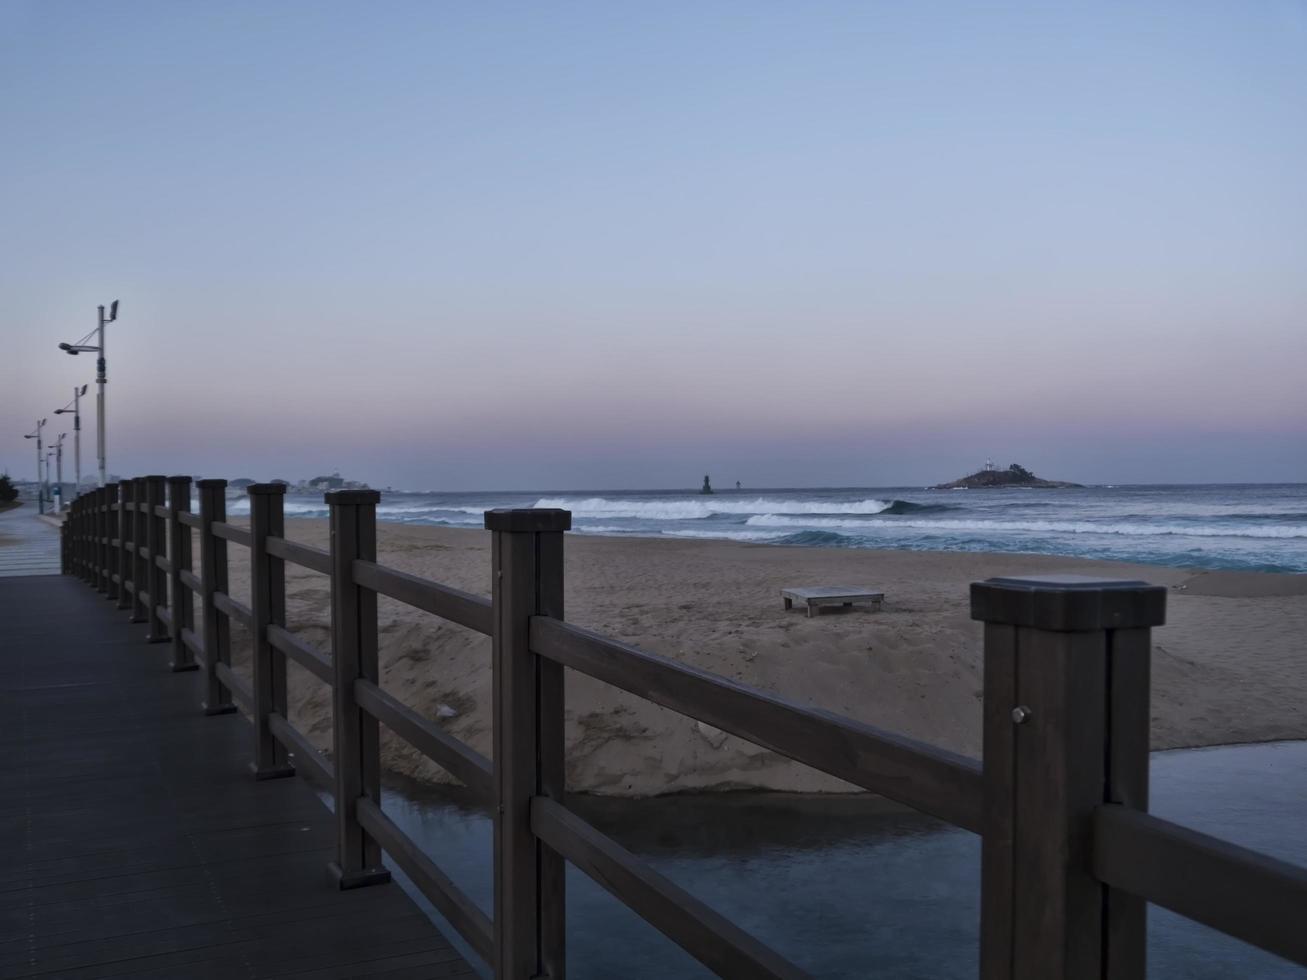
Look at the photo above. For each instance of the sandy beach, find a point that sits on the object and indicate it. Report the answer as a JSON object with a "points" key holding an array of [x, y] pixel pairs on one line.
{"points": [[1229, 666]]}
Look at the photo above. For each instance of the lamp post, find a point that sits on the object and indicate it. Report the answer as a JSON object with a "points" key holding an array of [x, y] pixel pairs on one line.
{"points": [[59, 473], [100, 378], [49, 491], [40, 486], [77, 431]]}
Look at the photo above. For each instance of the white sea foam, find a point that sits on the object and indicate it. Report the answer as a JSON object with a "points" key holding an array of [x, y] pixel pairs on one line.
{"points": [[240, 507], [688, 510], [1035, 527], [729, 535]]}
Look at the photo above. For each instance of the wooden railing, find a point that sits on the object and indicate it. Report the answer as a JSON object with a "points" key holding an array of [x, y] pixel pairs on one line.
{"points": [[1070, 855]]}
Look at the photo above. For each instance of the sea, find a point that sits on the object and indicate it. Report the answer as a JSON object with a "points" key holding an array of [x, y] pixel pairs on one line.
{"points": [[846, 889], [1252, 527]]}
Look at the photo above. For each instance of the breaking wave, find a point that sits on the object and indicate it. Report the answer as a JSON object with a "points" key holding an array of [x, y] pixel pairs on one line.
{"points": [[688, 510], [1036, 527]]}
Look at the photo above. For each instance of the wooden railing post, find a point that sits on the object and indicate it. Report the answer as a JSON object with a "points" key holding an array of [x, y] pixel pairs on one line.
{"points": [[179, 555], [65, 547], [71, 517], [268, 606], [527, 575], [78, 516], [1066, 716], [213, 578], [356, 737], [126, 505], [140, 573], [66, 541], [112, 542], [156, 541], [95, 535]]}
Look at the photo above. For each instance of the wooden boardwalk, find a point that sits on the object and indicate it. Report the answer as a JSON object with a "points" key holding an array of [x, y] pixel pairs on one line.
{"points": [[134, 841], [28, 545]]}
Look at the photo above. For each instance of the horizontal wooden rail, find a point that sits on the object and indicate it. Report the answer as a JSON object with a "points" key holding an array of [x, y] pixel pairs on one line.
{"points": [[1244, 894], [932, 780], [306, 754], [233, 609], [464, 608], [461, 761], [232, 533], [161, 511], [189, 519], [301, 554], [190, 580], [450, 901], [194, 645], [708, 936], [163, 563], [305, 654], [240, 688], [130, 546], [163, 613]]}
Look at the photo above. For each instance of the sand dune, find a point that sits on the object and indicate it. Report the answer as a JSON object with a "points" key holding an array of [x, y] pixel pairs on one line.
{"points": [[1230, 666]]}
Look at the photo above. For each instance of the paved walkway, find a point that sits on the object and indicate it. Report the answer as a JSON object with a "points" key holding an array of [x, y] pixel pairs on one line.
{"points": [[28, 545], [135, 843]]}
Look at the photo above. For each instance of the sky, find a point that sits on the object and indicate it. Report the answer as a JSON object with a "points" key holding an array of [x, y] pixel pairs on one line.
{"points": [[448, 245]]}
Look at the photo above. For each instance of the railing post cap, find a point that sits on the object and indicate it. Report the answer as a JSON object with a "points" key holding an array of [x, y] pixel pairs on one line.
{"points": [[179, 479], [346, 498], [528, 519], [211, 483], [1069, 603], [256, 489]]}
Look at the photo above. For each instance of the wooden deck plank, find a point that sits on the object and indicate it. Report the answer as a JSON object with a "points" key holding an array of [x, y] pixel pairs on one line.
{"points": [[133, 840]]}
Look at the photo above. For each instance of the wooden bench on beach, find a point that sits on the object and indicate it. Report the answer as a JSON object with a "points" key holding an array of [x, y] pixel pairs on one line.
{"points": [[831, 596]]}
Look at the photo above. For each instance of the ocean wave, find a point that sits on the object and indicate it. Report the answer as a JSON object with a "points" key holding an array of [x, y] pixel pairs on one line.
{"points": [[768, 536], [908, 507], [689, 510], [1034, 527], [819, 539]]}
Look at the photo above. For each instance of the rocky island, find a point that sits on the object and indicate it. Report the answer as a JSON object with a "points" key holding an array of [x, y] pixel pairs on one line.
{"points": [[1014, 476]]}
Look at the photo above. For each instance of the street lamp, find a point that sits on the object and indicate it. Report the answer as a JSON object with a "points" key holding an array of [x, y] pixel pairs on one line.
{"points": [[59, 473], [40, 486], [76, 409], [98, 347]]}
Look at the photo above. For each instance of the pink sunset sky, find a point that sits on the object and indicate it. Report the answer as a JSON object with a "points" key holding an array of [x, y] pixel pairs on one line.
{"points": [[451, 247]]}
